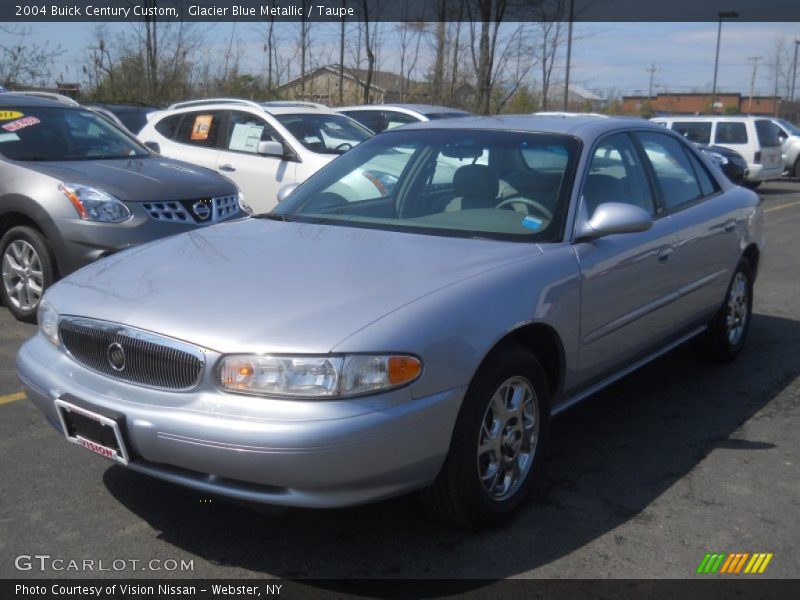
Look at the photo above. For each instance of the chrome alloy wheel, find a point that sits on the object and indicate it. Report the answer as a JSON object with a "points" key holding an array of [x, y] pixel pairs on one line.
{"points": [[508, 438], [737, 309], [23, 278]]}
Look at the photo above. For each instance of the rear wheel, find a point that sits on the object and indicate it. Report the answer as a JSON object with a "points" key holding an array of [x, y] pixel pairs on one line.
{"points": [[497, 445], [753, 185], [728, 330], [26, 265], [796, 169]]}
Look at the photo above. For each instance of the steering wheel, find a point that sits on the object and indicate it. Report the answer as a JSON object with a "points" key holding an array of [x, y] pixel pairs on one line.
{"points": [[538, 206], [342, 147]]}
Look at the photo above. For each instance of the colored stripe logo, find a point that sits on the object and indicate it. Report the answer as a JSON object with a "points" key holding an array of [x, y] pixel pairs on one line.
{"points": [[734, 563]]}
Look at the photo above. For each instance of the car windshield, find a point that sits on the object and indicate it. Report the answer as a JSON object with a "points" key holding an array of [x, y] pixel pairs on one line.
{"points": [[324, 133], [789, 127], [488, 184], [446, 115], [53, 134]]}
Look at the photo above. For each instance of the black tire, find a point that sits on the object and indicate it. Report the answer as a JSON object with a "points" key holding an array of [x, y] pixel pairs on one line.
{"points": [[720, 344], [44, 256], [752, 185], [796, 169], [458, 495]]}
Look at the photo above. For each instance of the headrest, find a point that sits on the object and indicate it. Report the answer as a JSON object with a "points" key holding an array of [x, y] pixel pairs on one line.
{"points": [[476, 181]]}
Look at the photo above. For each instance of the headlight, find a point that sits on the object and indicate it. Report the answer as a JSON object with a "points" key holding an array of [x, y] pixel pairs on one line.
{"points": [[95, 205], [47, 317], [316, 376]]}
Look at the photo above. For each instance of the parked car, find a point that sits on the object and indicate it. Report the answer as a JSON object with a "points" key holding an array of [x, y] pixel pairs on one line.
{"points": [[754, 138], [419, 338], [132, 116], [789, 136], [262, 147], [731, 162], [380, 117], [75, 188]]}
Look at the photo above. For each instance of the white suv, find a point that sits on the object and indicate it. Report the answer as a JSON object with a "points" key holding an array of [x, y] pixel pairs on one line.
{"points": [[260, 146], [755, 138]]}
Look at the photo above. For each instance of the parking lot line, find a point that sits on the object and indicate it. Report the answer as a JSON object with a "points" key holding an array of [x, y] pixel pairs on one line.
{"points": [[11, 398], [790, 204]]}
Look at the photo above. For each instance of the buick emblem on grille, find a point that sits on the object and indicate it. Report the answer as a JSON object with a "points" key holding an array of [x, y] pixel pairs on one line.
{"points": [[116, 356], [201, 210]]}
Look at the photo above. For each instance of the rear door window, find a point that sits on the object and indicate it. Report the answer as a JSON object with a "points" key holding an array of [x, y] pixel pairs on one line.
{"points": [[767, 133], [731, 133], [168, 126], [200, 128], [694, 131]]}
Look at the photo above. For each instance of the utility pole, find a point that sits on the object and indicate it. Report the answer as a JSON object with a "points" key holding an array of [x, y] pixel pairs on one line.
{"points": [[755, 60], [722, 15], [569, 53], [652, 70], [794, 72]]}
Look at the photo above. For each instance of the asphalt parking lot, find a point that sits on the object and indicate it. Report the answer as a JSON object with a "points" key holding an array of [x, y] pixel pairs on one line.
{"points": [[677, 460]]}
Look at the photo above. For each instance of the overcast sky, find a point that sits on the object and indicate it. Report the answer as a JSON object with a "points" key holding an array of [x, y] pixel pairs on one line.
{"points": [[606, 56]]}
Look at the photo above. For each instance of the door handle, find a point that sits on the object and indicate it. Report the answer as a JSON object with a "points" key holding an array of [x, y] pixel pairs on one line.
{"points": [[664, 253], [227, 167], [730, 225]]}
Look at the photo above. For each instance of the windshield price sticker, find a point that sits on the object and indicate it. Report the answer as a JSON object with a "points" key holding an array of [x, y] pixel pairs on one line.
{"points": [[7, 115], [21, 124]]}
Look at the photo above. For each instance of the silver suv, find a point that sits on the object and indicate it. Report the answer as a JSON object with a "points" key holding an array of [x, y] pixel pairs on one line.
{"points": [[75, 188]]}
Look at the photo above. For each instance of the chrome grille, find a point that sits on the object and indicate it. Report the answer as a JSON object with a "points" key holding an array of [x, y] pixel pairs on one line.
{"points": [[148, 359], [183, 211], [167, 211]]}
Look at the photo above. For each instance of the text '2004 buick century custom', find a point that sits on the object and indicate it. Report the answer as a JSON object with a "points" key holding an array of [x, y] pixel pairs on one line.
{"points": [[363, 341]]}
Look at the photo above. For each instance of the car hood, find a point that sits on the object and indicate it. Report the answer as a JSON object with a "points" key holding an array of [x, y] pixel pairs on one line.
{"points": [[267, 286], [141, 179]]}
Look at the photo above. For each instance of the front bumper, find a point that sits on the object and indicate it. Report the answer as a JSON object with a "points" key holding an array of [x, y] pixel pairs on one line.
{"points": [[307, 453]]}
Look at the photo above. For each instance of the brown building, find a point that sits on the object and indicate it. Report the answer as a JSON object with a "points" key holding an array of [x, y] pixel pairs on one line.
{"points": [[322, 85], [700, 103]]}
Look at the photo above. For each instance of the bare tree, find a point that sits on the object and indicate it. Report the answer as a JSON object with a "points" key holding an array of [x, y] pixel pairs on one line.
{"points": [[410, 38], [22, 62], [551, 31], [440, 50], [483, 45], [369, 47]]}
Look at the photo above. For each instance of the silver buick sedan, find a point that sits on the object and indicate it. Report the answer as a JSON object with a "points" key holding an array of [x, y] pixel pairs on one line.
{"points": [[410, 318]]}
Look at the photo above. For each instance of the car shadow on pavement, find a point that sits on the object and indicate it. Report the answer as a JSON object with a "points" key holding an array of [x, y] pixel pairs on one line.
{"points": [[610, 458]]}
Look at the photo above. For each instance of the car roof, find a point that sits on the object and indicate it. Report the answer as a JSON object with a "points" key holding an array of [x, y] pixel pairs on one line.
{"points": [[14, 99], [423, 109], [711, 117], [579, 125]]}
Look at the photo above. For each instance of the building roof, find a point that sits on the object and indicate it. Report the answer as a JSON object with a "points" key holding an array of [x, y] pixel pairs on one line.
{"points": [[385, 81]]}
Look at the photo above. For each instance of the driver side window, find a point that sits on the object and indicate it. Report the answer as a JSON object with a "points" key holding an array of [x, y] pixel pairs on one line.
{"points": [[616, 175]]}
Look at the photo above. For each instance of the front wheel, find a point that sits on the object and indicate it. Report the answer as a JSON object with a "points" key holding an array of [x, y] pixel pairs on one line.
{"points": [[27, 270], [497, 445], [728, 329]]}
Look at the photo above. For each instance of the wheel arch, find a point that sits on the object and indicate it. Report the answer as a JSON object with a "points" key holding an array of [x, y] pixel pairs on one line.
{"points": [[542, 340], [752, 255]]}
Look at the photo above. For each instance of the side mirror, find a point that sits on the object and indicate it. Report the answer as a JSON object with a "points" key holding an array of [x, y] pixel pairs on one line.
{"points": [[287, 189], [270, 149], [153, 146], [613, 217]]}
